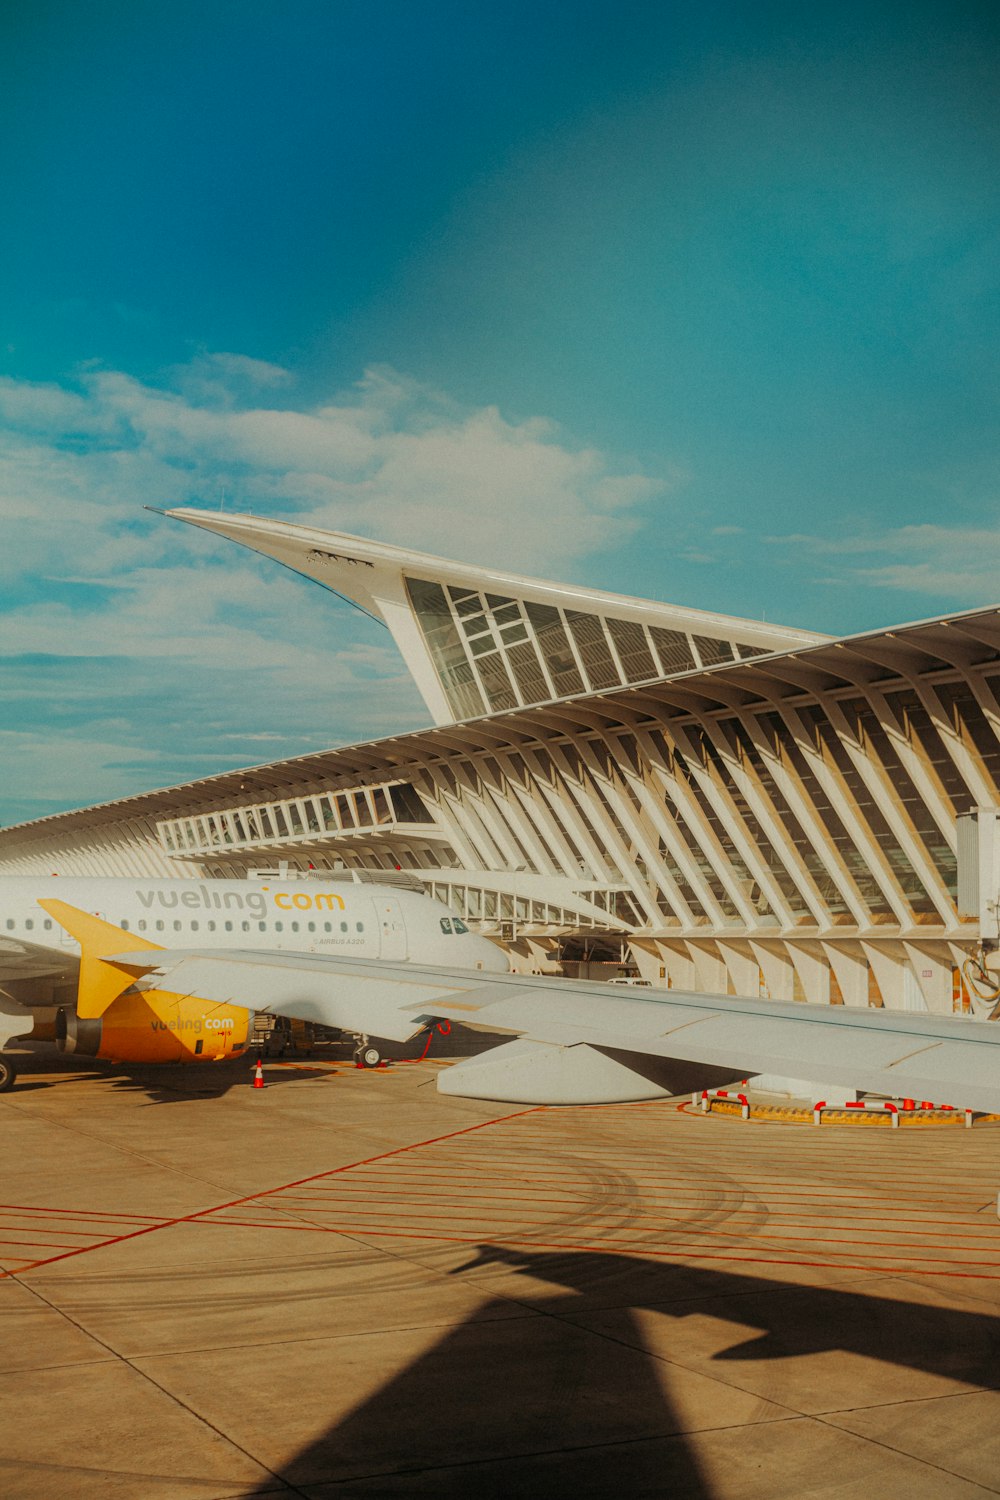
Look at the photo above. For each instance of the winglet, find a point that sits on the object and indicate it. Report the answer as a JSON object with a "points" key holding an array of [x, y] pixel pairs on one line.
{"points": [[101, 981]]}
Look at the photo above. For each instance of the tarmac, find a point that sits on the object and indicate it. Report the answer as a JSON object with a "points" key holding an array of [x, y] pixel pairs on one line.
{"points": [[345, 1284]]}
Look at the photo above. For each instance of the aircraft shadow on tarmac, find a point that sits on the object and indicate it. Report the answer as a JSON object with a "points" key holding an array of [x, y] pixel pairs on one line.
{"points": [[162, 1083], [504, 1406], [41, 1066]]}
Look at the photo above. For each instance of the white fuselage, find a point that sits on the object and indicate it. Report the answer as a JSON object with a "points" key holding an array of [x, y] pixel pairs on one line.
{"points": [[304, 916]]}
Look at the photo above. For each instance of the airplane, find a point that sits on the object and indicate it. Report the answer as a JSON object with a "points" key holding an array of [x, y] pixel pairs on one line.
{"points": [[574, 1041], [267, 919]]}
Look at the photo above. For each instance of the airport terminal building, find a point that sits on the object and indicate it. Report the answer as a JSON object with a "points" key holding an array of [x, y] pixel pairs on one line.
{"points": [[721, 804]]}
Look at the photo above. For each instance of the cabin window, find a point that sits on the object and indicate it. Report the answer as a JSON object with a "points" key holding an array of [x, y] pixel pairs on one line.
{"points": [[327, 926], [194, 926], [295, 926], [29, 923], [343, 926], [47, 925], [245, 926], [210, 926], [262, 926], [228, 926], [123, 925], [159, 926], [279, 926], [10, 924], [360, 926], [142, 924], [177, 926]]}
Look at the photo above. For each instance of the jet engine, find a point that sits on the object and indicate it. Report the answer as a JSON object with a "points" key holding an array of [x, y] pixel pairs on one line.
{"points": [[155, 1027]]}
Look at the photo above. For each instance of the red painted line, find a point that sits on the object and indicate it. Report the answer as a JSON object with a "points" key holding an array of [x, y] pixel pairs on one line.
{"points": [[610, 1248], [47, 1244], [75, 1213], [360, 1222], [269, 1192], [985, 1238]]}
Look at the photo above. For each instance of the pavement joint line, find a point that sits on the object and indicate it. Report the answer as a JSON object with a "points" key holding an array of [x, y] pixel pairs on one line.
{"points": [[902, 1452], [114, 1145], [171, 1396], [253, 1197], [970, 1390], [495, 1463]]}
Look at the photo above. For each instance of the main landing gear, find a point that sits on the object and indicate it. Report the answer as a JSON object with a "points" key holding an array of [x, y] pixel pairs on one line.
{"points": [[366, 1055], [8, 1072]]}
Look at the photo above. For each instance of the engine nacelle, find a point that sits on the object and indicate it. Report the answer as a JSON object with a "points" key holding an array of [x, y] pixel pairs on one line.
{"points": [[156, 1027]]}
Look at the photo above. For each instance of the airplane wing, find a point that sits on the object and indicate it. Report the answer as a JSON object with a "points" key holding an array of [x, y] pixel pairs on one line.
{"points": [[581, 1041], [372, 996], [20, 959], [575, 1041]]}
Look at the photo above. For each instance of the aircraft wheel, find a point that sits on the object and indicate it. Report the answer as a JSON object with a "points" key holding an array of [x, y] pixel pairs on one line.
{"points": [[8, 1073], [369, 1057]]}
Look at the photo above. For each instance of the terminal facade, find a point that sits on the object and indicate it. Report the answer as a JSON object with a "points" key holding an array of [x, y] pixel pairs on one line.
{"points": [[714, 803]]}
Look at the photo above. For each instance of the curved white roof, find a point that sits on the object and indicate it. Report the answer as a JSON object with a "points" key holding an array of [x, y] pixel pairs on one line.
{"points": [[480, 640]]}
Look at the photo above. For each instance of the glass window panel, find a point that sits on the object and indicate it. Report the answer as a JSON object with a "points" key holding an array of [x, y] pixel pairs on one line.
{"points": [[555, 648], [867, 804], [496, 682], [928, 744], [483, 645], [500, 601], [528, 674], [850, 855], [382, 814], [712, 651], [514, 632], [407, 804], [973, 726], [475, 625], [747, 651], [763, 845], [824, 883], [673, 648], [704, 864], [914, 805], [445, 645], [588, 633], [364, 811], [472, 604], [278, 815], [294, 820], [746, 880], [633, 650]]}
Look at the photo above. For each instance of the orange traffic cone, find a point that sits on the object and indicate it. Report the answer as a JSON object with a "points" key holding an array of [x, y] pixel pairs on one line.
{"points": [[258, 1077]]}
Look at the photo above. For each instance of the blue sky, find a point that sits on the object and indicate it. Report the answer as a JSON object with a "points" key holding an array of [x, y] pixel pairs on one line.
{"points": [[687, 300]]}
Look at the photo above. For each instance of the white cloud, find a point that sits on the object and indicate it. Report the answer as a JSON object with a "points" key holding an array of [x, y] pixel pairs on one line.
{"points": [[199, 649], [958, 564]]}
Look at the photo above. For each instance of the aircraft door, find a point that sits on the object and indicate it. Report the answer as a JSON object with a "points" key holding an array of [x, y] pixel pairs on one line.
{"points": [[392, 937]]}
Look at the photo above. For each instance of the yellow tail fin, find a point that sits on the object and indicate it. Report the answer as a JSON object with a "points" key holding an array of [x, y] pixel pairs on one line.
{"points": [[101, 982]]}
